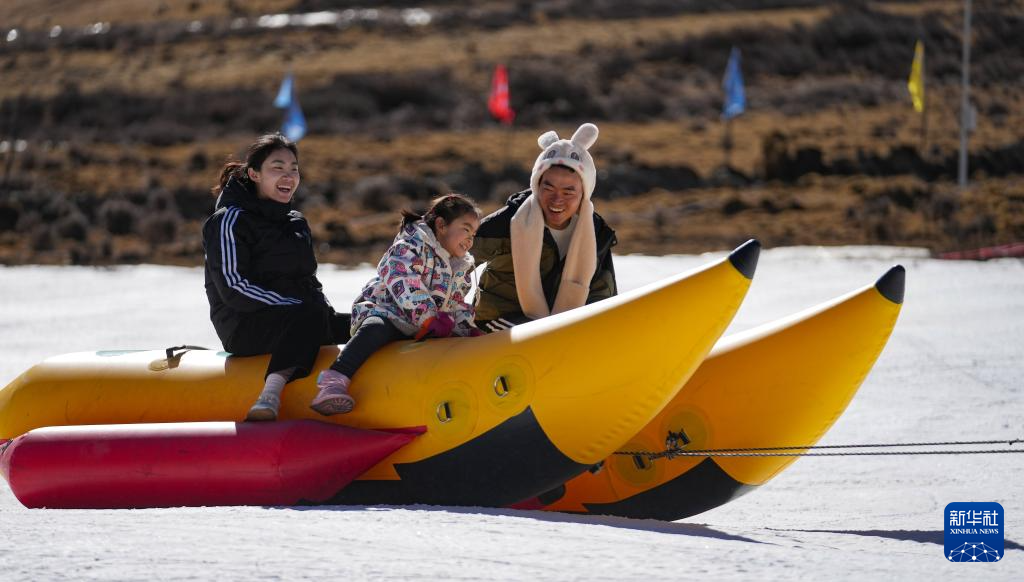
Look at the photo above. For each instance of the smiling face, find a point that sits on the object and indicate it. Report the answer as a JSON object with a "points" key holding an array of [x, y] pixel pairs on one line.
{"points": [[278, 177], [561, 191], [457, 237]]}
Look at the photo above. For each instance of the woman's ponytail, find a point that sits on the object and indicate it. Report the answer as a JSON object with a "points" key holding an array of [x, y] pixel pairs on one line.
{"points": [[231, 168], [254, 158]]}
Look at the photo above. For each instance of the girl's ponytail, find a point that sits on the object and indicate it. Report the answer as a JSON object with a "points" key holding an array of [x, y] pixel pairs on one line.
{"points": [[408, 216], [448, 208]]}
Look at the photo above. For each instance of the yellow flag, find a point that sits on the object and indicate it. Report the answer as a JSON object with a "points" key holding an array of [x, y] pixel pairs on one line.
{"points": [[916, 82]]}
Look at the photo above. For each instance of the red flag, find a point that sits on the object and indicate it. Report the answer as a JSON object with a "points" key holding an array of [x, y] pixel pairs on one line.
{"points": [[498, 103]]}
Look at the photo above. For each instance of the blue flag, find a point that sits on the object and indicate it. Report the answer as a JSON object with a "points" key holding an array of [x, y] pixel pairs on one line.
{"points": [[284, 94], [294, 127], [732, 83]]}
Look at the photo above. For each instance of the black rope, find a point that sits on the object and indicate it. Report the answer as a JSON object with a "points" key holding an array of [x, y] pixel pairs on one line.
{"points": [[713, 453], [801, 450], [1010, 442]]}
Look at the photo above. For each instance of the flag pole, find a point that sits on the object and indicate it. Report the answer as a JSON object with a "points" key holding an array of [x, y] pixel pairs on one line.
{"points": [[500, 107], [508, 146], [965, 103], [727, 142], [734, 102], [12, 144], [924, 109]]}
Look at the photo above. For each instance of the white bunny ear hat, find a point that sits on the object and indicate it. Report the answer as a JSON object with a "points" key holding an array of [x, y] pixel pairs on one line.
{"points": [[572, 153], [527, 228]]}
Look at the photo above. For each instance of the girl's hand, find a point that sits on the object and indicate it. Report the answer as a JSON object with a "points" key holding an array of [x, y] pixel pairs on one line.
{"points": [[440, 325]]}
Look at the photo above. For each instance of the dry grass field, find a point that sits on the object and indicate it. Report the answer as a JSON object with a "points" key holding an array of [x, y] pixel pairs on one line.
{"points": [[113, 127]]}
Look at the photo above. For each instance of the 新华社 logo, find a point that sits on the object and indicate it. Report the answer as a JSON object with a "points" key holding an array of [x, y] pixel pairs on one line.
{"points": [[974, 532]]}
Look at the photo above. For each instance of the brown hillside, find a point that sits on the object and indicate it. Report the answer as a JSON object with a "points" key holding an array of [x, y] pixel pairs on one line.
{"points": [[113, 129]]}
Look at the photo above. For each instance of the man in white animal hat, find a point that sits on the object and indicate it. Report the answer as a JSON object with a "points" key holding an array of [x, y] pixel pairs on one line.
{"points": [[547, 250]]}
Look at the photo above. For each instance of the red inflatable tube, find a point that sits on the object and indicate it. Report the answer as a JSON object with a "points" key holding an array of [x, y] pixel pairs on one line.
{"points": [[191, 464]]}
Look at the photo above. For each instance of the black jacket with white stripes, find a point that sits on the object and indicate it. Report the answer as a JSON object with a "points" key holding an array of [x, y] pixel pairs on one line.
{"points": [[259, 255]]}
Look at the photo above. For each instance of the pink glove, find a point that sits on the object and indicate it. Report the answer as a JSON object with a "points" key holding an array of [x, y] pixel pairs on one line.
{"points": [[439, 326], [475, 332]]}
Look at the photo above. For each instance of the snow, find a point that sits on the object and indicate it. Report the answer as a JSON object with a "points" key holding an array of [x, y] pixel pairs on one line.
{"points": [[952, 371]]}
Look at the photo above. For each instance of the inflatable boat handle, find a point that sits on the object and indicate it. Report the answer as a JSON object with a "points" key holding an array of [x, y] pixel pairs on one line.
{"points": [[170, 351]]}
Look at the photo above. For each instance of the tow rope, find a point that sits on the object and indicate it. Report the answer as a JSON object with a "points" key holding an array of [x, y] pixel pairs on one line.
{"points": [[801, 450]]}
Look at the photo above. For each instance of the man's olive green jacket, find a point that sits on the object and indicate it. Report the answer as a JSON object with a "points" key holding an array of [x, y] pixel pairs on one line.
{"points": [[496, 295]]}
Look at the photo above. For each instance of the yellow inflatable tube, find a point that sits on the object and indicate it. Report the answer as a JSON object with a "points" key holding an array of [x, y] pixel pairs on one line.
{"points": [[781, 384], [508, 415]]}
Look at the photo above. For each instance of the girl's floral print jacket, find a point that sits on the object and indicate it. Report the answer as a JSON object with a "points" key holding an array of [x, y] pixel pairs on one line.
{"points": [[417, 279]]}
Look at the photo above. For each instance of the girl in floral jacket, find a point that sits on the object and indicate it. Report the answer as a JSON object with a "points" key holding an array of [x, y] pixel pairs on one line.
{"points": [[419, 291]]}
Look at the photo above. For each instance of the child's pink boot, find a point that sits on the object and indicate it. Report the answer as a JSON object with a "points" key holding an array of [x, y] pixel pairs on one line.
{"points": [[333, 397]]}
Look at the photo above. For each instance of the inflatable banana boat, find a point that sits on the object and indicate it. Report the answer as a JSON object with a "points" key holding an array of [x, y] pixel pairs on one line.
{"points": [[507, 416], [781, 384]]}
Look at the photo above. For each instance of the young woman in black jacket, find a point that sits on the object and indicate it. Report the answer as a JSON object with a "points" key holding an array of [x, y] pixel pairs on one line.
{"points": [[261, 271]]}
